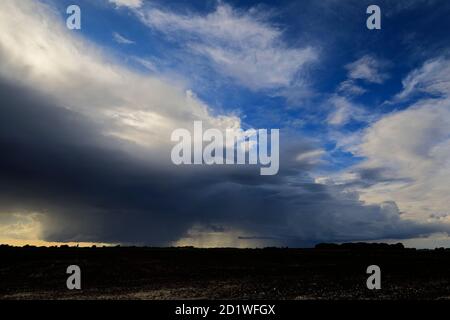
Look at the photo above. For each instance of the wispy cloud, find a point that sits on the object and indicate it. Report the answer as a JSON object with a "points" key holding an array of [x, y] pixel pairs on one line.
{"points": [[349, 87], [121, 39], [242, 45], [146, 63], [344, 111], [127, 3], [367, 68], [432, 78]]}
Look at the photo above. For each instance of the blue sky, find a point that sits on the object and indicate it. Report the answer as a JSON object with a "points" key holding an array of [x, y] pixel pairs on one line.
{"points": [[363, 116], [335, 30]]}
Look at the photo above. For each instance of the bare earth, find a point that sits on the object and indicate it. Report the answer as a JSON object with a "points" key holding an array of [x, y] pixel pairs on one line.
{"points": [[328, 272]]}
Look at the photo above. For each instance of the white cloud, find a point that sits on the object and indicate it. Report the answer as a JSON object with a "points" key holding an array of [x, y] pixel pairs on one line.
{"points": [[413, 145], [138, 112], [241, 45], [127, 3], [432, 78], [38, 51], [409, 148], [349, 87], [311, 157], [366, 68], [345, 111], [121, 39], [146, 63]]}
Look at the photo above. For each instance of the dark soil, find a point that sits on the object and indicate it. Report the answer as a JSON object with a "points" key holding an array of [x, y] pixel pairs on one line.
{"points": [[327, 272]]}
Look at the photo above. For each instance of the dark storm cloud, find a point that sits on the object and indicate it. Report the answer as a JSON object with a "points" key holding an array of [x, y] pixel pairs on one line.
{"points": [[57, 162], [368, 177]]}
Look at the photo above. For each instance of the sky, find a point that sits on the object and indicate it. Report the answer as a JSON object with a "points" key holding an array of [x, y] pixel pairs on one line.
{"points": [[86, 118]]}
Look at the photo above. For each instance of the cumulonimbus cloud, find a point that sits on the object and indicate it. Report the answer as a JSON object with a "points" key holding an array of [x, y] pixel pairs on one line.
{"points": [[85, 142]]}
